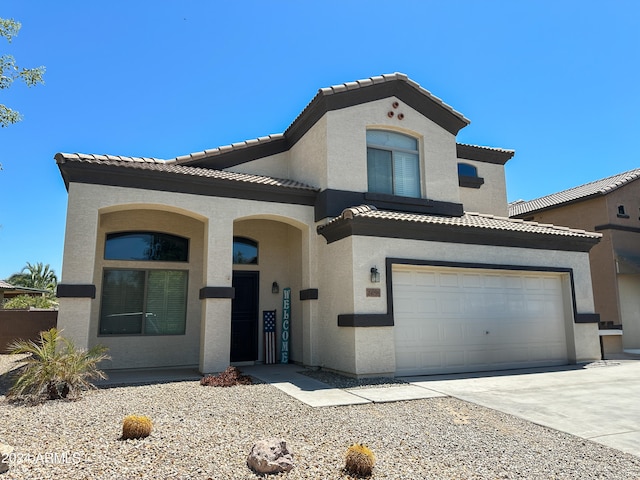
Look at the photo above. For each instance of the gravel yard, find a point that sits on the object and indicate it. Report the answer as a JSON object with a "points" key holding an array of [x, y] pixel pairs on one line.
{"points": [[207, 432]]}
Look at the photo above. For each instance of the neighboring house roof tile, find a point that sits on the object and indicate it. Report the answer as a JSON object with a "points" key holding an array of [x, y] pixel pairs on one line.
{"points": [[468, 220], [172, 167], [5, 285], [581, 192]]}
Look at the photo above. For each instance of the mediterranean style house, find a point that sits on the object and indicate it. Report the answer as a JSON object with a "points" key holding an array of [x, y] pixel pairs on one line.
{"points": [[610, 206], [364, 209]]}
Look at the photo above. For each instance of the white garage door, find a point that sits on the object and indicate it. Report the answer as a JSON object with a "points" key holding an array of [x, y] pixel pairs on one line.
{"points": [[450, 320]]}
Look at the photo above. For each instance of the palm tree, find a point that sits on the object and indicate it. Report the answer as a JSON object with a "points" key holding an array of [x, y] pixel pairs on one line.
{"points": [[36, 275], [55, 368]]}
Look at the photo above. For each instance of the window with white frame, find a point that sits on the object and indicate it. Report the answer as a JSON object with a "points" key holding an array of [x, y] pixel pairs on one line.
{"points": [[393, 163]]}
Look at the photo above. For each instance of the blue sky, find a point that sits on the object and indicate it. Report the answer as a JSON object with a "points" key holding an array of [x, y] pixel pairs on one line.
{"points": [[554, 80]]}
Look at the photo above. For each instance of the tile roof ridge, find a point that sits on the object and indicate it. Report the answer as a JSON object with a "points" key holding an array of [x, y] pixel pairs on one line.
{"points": [[537, 224], [228, 148], [62, 157], [601, 186]]}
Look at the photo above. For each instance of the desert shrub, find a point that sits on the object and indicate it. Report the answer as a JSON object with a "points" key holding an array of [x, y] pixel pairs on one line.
{"points": [[55, 368], [230, 377], [28, 301], [134, 426], [359, 460]]}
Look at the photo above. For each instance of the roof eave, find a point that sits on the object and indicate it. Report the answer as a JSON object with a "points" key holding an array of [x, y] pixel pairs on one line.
{"points": [[391, 228]]}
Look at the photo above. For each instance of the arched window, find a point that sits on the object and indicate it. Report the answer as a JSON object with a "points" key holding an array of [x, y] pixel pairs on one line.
{"points": [[154, 246], [245, 251], [393, 165]]}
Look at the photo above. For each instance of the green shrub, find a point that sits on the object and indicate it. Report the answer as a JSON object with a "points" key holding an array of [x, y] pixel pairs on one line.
{"points": [[27, 301], [55, 368], [359, 460], [135, 426]]}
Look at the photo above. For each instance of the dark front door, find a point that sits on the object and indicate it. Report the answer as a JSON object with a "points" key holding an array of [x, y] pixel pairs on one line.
{"points": [[244, 317]]}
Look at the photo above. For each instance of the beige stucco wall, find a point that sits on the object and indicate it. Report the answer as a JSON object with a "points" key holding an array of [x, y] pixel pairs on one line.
{"points": [[629, 289], [491, 197], [273, 166], [614, 294], [336, 345], [374, 346], [211, 224], [347, 150], [146, 350], [333, 153]]}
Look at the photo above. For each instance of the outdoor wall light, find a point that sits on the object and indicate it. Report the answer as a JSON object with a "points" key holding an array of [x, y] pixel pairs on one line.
{"points": [[375, 275], [275, 288]]}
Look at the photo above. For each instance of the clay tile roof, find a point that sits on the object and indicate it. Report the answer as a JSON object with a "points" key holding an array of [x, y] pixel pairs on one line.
{"points": [[173, 167], [582, 192], [5, 285], [468, 220]]}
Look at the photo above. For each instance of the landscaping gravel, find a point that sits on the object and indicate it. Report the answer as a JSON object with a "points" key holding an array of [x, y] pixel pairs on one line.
{"points": [[207, 432]]}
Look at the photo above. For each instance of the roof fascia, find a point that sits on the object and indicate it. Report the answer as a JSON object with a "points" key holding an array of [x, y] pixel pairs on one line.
{"points": [[112, 175], [486, 155], [377, 227]]}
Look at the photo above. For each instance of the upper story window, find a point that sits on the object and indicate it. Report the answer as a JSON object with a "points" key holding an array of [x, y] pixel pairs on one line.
{"points": [[393, 165], [466, 170], [245, 251], [621, 212], [468, 176], [153, 246]]}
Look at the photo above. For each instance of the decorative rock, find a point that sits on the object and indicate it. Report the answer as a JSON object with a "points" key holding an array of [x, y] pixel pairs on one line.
{"points": [[270, 456], [5, 451]]}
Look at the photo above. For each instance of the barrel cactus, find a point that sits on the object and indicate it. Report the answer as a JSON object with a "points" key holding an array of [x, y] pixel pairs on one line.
{"points": [[135, 426], [359, 460]]}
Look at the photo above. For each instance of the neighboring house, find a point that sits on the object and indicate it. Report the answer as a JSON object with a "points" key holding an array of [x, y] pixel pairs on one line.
{"points": [[610, 206], [8, 291], [361, 207]]}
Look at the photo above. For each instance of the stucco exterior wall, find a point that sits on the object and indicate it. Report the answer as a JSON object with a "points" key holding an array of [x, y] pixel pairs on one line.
{"points": [[210, 223], [146, 350], [347, 150], [336, 345], [491, 197], [629, 289], [273, 166], [308, 157]]}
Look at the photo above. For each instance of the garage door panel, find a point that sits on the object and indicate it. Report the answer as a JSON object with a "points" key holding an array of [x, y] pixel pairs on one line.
{"points": [[459, 320]]}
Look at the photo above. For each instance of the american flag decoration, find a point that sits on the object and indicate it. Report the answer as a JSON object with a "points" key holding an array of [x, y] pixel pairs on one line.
{"points": [[269, 320]]}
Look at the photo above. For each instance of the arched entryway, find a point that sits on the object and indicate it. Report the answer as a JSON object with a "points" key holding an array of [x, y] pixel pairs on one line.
{"points": [[268, 258]]}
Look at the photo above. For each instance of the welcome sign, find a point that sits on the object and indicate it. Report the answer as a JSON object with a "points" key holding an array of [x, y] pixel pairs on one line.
{"points": [[286, 324]]}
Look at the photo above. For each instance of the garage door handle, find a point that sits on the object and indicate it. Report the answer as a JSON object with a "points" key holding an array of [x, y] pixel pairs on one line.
{"points": [[486, 332]]}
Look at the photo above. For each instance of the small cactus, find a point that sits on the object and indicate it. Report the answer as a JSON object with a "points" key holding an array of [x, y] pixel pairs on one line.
{"points": [[135, 426], [359, 460]]}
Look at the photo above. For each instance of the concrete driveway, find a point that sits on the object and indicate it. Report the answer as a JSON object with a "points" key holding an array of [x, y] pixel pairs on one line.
{"points": [[600, 402]]}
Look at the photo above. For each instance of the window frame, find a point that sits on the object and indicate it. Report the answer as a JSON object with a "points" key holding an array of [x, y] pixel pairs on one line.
{"points": [[371, 145], [144, 314]]}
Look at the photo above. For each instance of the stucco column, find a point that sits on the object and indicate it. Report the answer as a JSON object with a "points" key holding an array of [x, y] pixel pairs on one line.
{"points": [[78, 263], [216, 295]]}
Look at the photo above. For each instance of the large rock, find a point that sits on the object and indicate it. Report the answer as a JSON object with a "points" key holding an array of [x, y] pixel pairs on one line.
{"points": [[5, 450], [270, 456]]}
